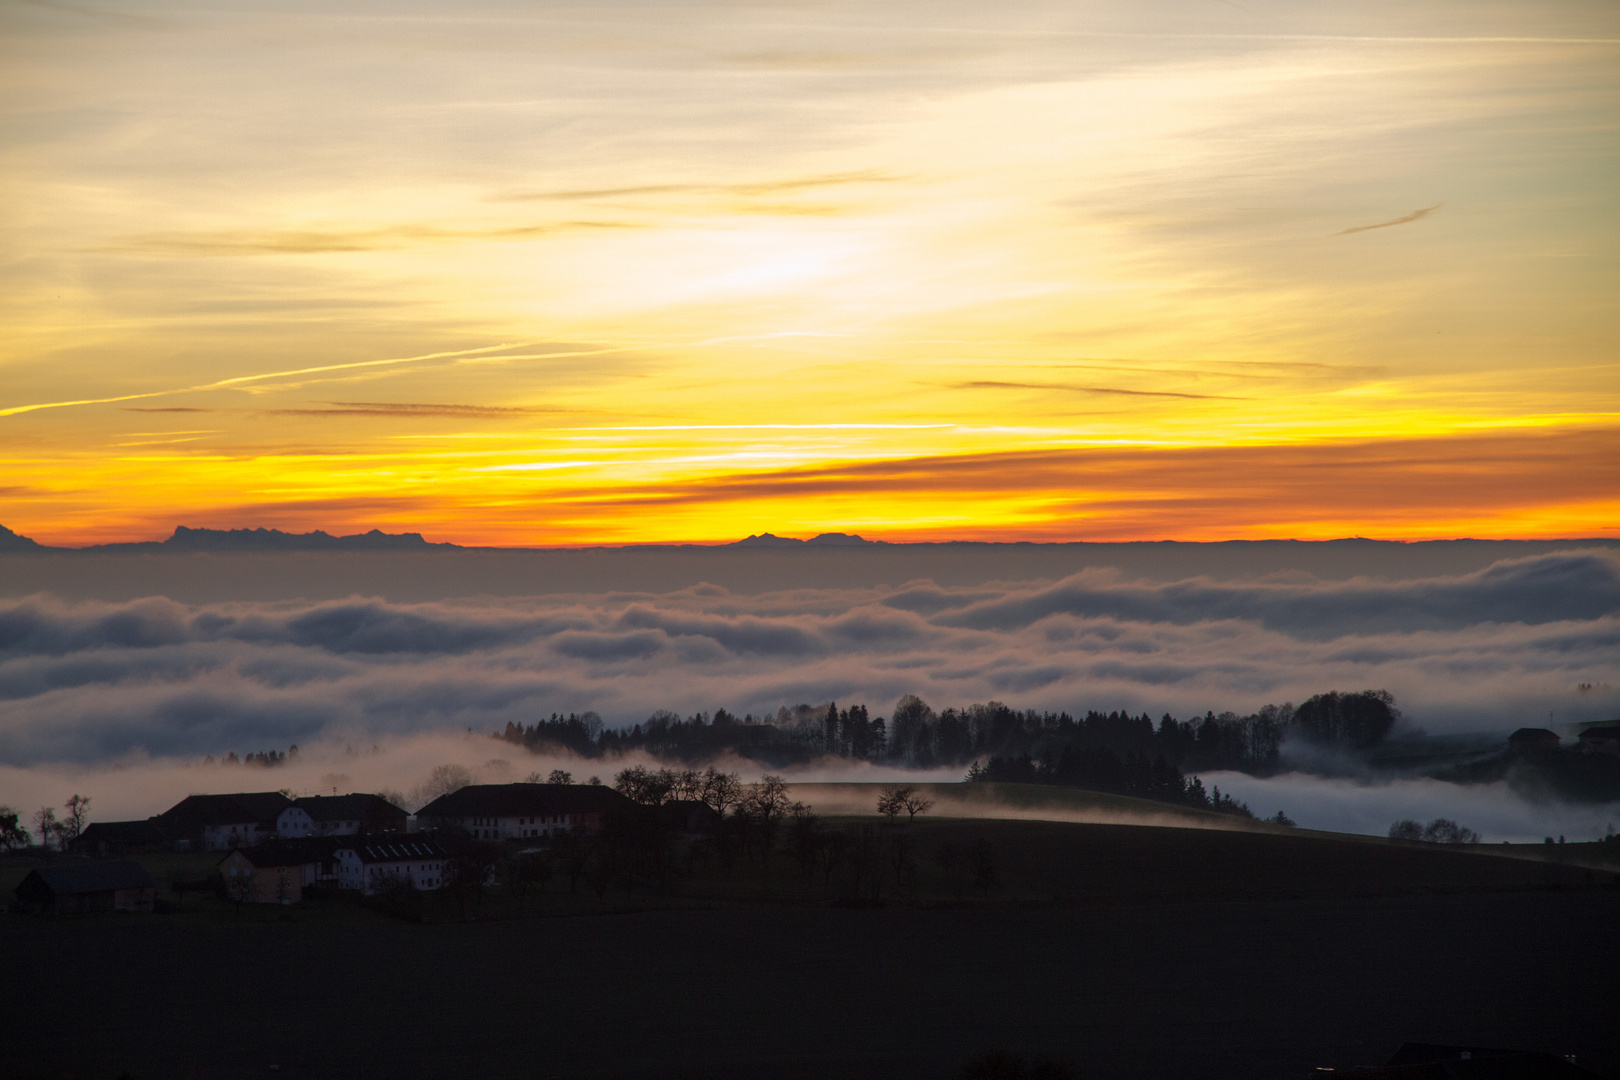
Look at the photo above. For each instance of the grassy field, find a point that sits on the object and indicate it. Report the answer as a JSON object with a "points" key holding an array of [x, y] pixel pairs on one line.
{"points": [[981, 845], [1134, 951], [1239, 990]]}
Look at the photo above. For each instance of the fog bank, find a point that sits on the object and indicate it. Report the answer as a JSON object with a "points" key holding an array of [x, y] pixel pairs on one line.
{"points": [[1520, 642], [1495, 811]]}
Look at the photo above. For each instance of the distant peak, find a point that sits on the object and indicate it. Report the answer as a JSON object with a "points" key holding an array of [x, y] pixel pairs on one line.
{"points": [[841, 540], [262, 539], [770, 540], [10, 541]]}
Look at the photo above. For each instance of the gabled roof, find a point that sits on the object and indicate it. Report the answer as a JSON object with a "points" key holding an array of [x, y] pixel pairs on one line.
{"points": [[89, 877], [124, 832], [250, 807], [357, 806], [520, 800], [296, 852], [1606, 732], [381, 850], [1533, 734]]}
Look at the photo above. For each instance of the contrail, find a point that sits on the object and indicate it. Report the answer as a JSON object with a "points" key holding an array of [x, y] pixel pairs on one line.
{"points": [[241, 379], [1413, 216]]}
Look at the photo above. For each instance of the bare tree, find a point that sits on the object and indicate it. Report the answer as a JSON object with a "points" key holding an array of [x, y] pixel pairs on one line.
{"points": [[443, 780], [77, 817], [47, 826], [643, 785], [687, 784], [560, 776], [1446, 831], [916, 803], [892, 799], [720, 791], [765, 804], [1406, 829]]}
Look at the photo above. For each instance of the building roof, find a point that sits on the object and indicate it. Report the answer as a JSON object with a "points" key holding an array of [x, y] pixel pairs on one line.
{"points": [[124, 832], [521, 800], [1533, 735], [68, 879], [1605, 733], [295, 852], [250, 807], [401, 849], [357, 806]]}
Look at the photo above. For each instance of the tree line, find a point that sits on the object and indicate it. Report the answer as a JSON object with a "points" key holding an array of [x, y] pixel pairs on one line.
{"points": [[1113, 751], [919, 737]]}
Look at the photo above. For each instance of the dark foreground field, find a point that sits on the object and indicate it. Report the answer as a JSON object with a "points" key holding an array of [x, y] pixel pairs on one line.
{"points": [[1132, 952], [1241, 990]]}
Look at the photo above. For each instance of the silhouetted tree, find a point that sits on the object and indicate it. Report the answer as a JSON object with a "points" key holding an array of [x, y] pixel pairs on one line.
{"points": [[1446, 831], [1353, 721], [47, 826], [77, 816], [720, 791], [13, 834], [892, 799]]}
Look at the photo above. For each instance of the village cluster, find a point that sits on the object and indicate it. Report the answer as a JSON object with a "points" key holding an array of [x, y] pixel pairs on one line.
{"points": [[276, 847]]}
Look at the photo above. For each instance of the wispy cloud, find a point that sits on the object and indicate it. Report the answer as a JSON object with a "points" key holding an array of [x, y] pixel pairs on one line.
{"points": [[409, 410], [334, 241], [988, 384], [764, 187], [1416, 215]]}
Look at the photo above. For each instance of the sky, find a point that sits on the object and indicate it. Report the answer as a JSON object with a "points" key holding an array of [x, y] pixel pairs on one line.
{"points": [[628, 272]]}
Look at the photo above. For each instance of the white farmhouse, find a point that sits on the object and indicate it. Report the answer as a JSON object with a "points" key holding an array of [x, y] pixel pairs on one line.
{"points": [[372, 864]]}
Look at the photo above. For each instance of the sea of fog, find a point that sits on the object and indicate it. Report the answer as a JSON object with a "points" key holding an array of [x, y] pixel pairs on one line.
{"points": [[124, 698]]}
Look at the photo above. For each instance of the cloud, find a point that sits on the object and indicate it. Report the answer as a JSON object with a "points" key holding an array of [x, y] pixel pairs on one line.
{"points": [[1415, 215], [1562, 587], [766, 187], [412, 410], [983, 384], [334, 241], [98, 682]]}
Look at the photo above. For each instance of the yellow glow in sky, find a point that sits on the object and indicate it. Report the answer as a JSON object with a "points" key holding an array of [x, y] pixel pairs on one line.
{"points": [[626, 272]]}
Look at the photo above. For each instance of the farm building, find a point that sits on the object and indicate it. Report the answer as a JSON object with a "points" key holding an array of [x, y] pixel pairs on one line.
{"points": [[340, 815], [373, 865], [278, 871], [523, 811], [223, 822], [85, 888], [1604, 739], [117, 838]]}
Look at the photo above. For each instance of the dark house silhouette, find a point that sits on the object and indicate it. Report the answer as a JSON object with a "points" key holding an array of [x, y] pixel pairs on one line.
{"points": [[1528, 739], [119, 838], [85, 888], [223, 822], [1604, 739], [523, 811]]}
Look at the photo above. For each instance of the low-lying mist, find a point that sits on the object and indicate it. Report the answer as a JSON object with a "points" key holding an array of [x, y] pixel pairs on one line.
{"points": [[404, 768], [123, 701], [94, 682], [1339, 804]]}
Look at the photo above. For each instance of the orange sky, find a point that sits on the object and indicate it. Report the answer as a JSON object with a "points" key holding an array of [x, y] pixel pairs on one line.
{"points": [[638, 273]]}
